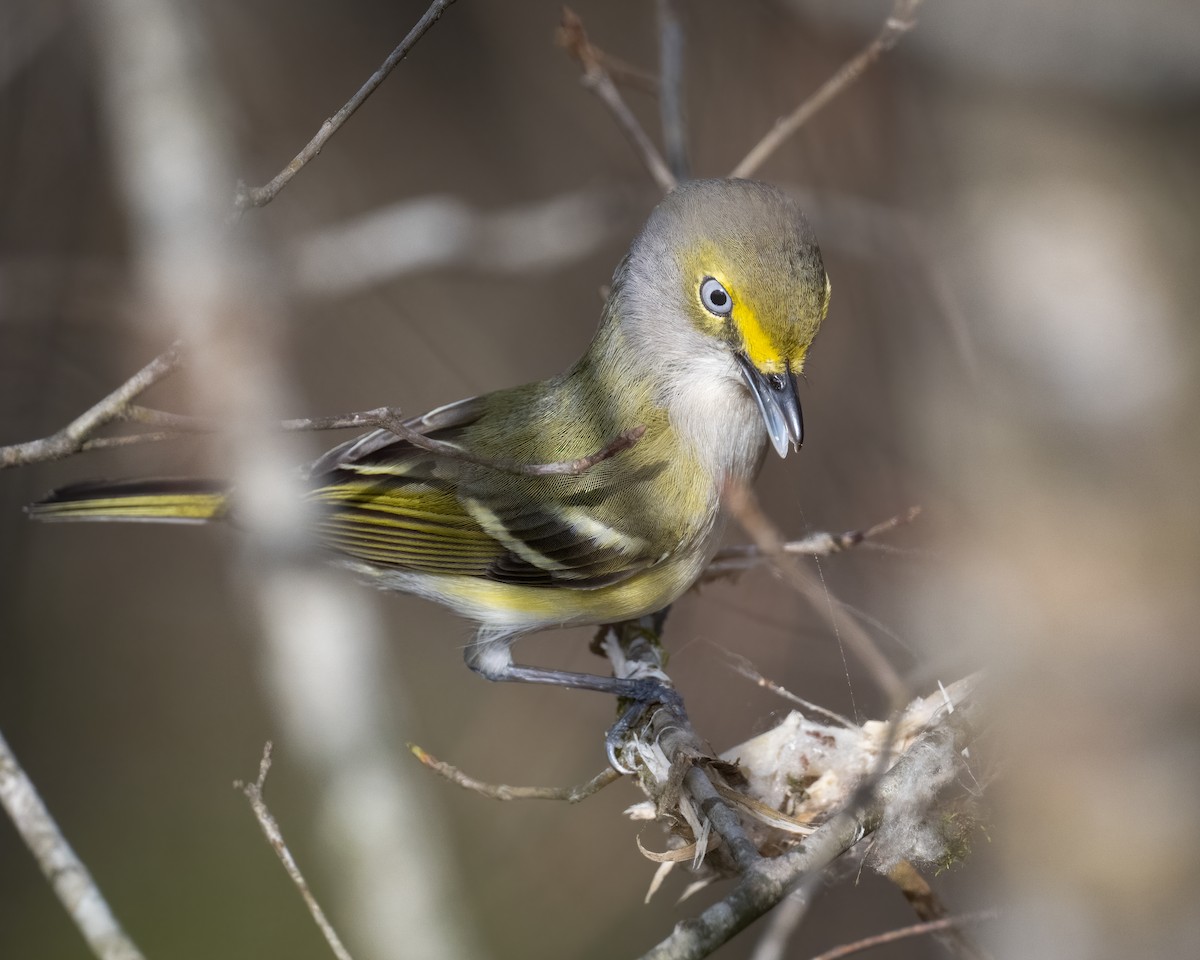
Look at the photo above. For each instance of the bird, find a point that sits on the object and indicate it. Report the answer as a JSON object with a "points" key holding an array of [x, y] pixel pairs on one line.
{"points": [[691, 374]]}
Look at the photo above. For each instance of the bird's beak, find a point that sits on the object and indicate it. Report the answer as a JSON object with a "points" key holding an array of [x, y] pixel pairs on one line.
{"points": [[778, 403]]}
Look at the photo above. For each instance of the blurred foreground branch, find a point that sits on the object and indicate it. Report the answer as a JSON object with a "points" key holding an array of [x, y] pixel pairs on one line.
{"points": [[65, 872], [321, 645]]}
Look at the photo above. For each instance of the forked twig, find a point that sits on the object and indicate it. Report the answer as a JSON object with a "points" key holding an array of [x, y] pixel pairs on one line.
{"points": [[270, 829], [247, 196], [77, 435], [503, 791], [900, 20], [572, 38]]}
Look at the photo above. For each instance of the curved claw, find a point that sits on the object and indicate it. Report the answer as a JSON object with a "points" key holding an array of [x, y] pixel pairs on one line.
{"points": [[614, 739], [649, 692]]}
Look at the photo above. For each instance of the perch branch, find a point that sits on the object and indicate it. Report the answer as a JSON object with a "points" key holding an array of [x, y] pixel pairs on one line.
{"points": [[247, 196], [572, 38], [270, 829], [77, 435], [769, 880], [900, 20], [65, 872]]}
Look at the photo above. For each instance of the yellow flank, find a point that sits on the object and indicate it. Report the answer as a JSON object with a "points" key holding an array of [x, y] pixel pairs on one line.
{"points": [[520, 606]]}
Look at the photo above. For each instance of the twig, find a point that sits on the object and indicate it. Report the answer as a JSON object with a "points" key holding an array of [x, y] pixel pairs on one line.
{"points": [[75, 436], [745, 668], [736, 559], [247, 196], [671, 101], [929, 907], [573, 39], [72, 882], [916, 930], [502, 791], [900, 20], [270, 829], [744, 506]]}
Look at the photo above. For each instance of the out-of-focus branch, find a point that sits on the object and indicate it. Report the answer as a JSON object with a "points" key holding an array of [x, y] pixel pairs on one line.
{"points": [[744, 506], [65, 872], [270, 829], [322, 645], [672, 107], [428, 232], [77, 435], [900, 20], [572, 37], [247, 196]]}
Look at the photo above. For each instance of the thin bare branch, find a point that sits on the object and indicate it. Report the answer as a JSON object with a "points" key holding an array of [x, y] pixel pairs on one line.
{"points": [[572, 37], [247, 196], [928, 907], [900, 20], [270, 829], [76, 435], [744, 506], [743, 666], [116, 407], [502, 791], [916, 930], [671, 102], [66, 873], [735, 559]]}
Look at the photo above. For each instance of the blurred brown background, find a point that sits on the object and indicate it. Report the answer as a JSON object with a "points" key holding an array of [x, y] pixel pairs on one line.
{"points": [[1007, 206]]}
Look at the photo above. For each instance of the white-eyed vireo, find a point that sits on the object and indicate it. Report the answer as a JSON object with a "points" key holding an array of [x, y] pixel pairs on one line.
{"points": [[706, 328]]}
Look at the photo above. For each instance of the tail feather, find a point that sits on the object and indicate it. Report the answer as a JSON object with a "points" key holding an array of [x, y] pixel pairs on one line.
{"points": [[157, 501]]}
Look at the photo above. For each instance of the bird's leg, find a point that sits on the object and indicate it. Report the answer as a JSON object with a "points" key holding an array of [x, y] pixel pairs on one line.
{"points": [[492, 658]]}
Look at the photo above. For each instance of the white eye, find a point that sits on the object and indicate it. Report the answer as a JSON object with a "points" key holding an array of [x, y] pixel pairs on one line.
{"points": [[715, 297]]}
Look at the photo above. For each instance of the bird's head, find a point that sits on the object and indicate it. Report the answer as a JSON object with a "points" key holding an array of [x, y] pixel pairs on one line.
{"points": [[725, 280]]}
